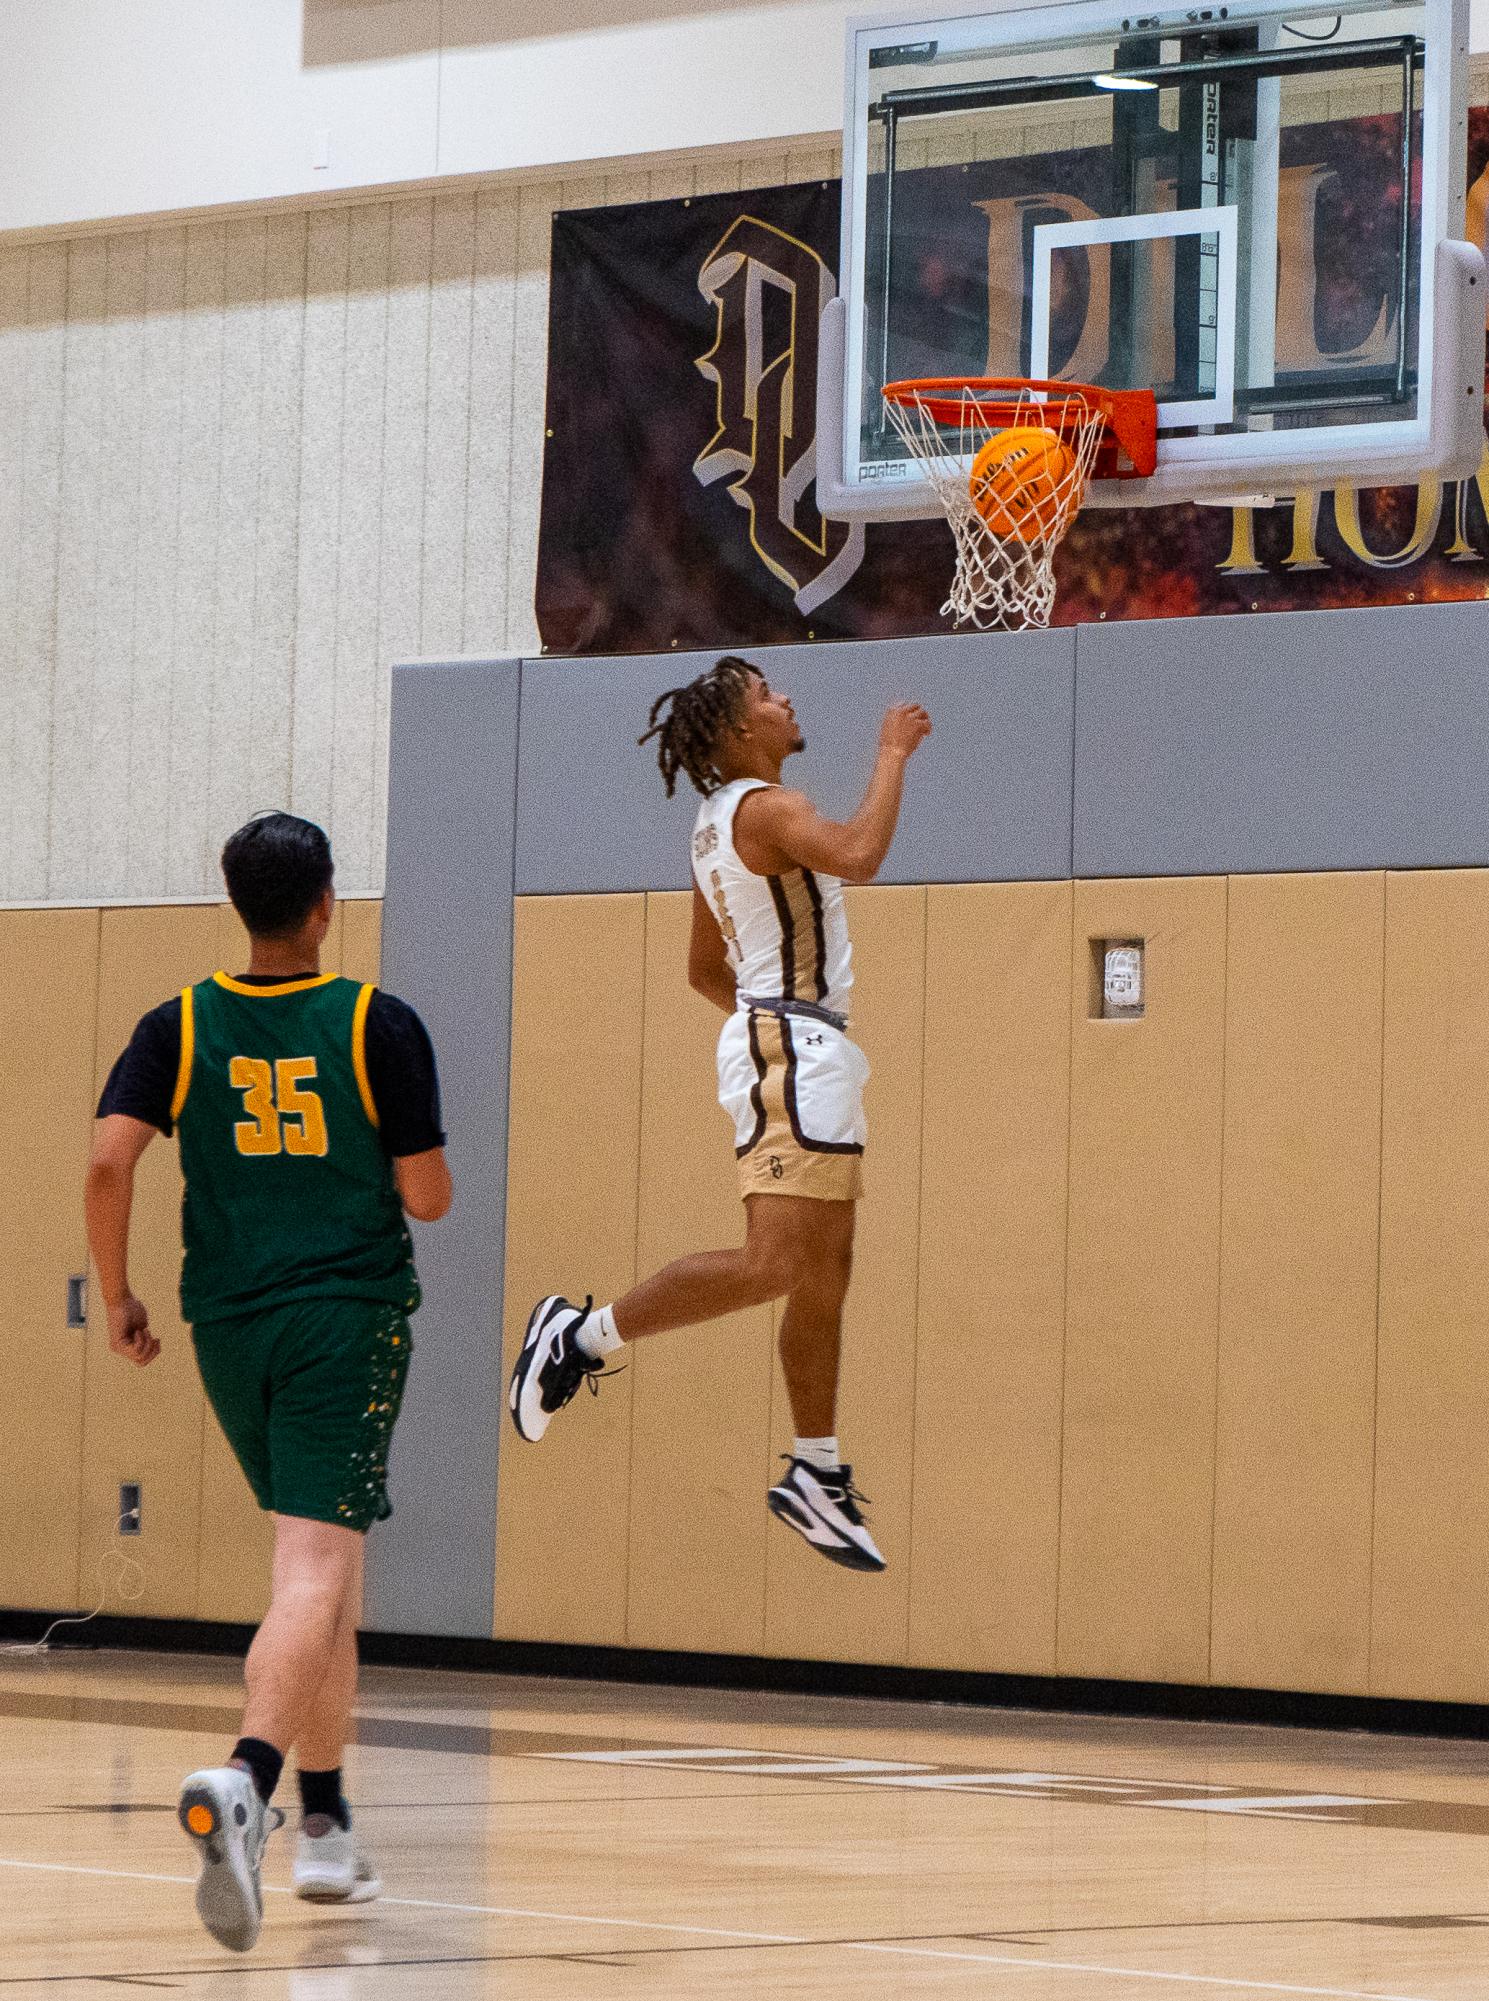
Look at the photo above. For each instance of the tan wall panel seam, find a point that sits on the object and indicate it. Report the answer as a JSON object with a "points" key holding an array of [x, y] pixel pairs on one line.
{"points": [[919, 1240], [1065, 1291], [636, 1272], [1219, 1279], [1380, 1175]]}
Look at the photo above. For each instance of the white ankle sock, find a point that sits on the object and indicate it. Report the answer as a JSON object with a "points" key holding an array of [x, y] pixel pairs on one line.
{"points": [[596, 1335], [821, 1454]]}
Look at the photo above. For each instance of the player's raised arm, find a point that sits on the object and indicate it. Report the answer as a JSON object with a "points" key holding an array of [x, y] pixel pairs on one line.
{"points": [[778, 829]]}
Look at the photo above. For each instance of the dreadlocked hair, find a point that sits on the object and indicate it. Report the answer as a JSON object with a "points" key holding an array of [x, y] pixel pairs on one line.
{"points": [[696, 718]]}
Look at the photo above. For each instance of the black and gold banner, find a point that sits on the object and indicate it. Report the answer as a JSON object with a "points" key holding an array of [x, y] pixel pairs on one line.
{"points": [[679, 504]]}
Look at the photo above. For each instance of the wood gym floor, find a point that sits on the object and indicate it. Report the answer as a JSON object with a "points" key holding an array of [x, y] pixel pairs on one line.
{"points": [[574, 1842]]}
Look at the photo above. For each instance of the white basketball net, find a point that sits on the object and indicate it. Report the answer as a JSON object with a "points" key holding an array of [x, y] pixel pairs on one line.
{"points": [[1002, 582]]}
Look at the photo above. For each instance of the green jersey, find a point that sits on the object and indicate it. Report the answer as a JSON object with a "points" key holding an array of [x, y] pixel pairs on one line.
{"points": [[289, 1193]]}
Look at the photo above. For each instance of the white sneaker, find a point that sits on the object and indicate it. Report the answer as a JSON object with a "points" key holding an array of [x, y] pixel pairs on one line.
{"points": [[331, 1869], [823, 1508], [551, 1366], [221, 1811]]}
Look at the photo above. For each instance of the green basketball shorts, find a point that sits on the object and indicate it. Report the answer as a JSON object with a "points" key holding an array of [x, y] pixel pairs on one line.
{"points": [[307, 1395]]}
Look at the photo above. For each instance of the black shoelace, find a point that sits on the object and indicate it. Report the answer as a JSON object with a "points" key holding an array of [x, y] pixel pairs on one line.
{"points": [[588, 1368], [840, 1488]]}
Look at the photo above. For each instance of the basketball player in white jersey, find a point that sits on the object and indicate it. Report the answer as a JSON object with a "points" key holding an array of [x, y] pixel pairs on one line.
{"points": [[770, 947]]}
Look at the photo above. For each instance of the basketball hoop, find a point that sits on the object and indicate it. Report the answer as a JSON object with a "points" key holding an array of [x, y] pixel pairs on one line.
{"points": [[1011, 501]]}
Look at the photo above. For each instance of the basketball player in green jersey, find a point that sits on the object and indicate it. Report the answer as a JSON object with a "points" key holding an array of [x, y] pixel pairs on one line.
{"points": [[307, 1110], [769, 947]]}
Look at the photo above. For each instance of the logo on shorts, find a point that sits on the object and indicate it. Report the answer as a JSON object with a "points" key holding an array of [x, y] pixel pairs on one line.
{"points": [[777, 1167]]}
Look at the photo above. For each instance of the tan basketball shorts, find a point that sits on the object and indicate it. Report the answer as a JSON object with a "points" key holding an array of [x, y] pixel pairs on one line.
{"points": [[793, 1086]]}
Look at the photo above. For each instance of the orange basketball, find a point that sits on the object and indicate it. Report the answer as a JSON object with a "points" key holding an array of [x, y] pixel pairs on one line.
{"points": [[1017, 481]]}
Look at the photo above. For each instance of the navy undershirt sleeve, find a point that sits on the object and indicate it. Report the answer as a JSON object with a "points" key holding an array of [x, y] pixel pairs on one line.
{"points": [[404, 1078], [142, 1084]]}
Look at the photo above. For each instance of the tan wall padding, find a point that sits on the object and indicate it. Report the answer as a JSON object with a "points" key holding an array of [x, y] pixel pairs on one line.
{"points": [[990, 1346], [700, 1442], [573, 1149], [48, 1003], [1145, 1124], [1295, 1430], [876, 1393], [88, 1422], [146, 1425], [1166, 1355], [1429, 1636]]}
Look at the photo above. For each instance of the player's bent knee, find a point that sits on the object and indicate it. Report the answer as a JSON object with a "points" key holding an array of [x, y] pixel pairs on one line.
{"points": [[314, 1557], [771, 1270]]}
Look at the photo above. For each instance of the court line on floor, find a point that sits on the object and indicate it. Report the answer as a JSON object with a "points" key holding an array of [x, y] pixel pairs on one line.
{"points": [[778, 1938], [443, 1806]]}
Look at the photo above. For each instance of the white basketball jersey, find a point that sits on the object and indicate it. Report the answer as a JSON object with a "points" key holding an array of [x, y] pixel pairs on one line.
{"points": [[786, 935]]}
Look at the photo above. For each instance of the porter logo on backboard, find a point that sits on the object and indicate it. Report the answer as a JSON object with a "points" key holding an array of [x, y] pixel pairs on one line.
{"points": [[768, 290]]}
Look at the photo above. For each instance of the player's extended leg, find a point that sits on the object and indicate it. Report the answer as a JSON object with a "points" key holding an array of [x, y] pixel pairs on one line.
{"points": [[781, 1235], [327, 1725], [812, 1327], [816, 1495], [316, 1569], [226, 1808], [330, 1865]]}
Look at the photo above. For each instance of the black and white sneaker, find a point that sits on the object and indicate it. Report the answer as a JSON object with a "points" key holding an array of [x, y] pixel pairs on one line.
{"points": [[221, 1810], [551, 1366], [824, 1508]]}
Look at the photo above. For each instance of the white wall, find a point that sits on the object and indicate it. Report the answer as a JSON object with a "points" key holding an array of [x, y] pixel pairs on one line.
{"points": [[244, 465], [115, 108]]}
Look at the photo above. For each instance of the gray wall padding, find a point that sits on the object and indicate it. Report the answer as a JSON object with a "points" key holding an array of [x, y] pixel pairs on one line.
{"points": [[1304, 741], [987, 799], [447, 949]]}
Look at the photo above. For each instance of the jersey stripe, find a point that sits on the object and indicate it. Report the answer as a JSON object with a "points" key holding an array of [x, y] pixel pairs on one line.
{"points": [[188, 1053], [359, 1052], [788, 937], [272, 993], [819, 935]]}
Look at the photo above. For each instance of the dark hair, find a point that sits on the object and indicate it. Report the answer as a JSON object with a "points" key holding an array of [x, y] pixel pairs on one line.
{"points": [[697, 717], [277, 868]]}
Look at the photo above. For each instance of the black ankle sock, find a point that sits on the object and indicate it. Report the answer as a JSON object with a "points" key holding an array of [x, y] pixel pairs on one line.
{"points": [[320, 1792], [263, 1761]]}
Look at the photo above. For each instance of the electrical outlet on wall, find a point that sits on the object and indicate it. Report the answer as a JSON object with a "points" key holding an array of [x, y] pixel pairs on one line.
{"points": [[129, 1509]]}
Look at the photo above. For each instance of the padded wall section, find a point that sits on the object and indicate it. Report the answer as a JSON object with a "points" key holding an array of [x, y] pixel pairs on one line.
{"points": [[1429, 1637], [146, 1425], [1143, 1283], [447, 949], [1305, 741], [876, 1394], [990, 1345], [1295, 1431], [987, 799], [573, 1151], [700, 1433], [48, 1004]]}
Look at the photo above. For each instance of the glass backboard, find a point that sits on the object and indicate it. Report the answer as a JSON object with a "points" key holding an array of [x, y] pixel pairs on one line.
{"points": [[1242, 208]]}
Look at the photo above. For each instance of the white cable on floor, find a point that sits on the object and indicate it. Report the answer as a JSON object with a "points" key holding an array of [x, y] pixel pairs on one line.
{"points": [[128, 1580]]}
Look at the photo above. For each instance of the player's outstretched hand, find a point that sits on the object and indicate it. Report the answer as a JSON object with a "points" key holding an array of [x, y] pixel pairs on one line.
{"points": [[129, 1332], [906, 726]]}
